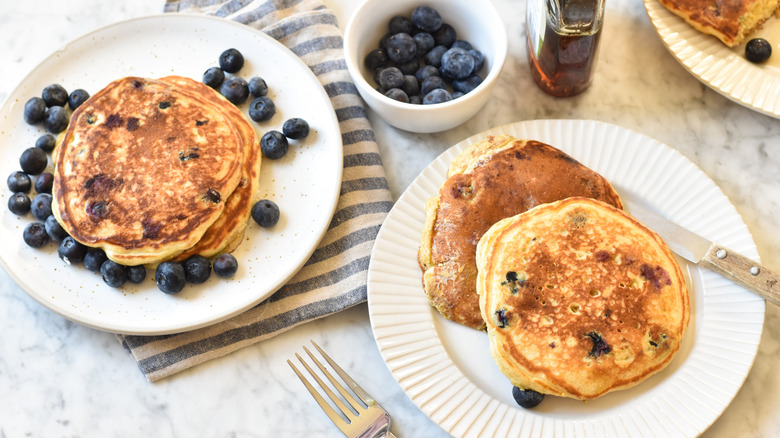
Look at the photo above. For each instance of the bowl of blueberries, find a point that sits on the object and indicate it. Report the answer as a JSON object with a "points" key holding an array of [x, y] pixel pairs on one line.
{"points": [[425, 67]]}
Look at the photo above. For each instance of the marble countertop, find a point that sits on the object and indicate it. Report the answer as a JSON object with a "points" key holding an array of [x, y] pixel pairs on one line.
{"points": [[58, 378]]}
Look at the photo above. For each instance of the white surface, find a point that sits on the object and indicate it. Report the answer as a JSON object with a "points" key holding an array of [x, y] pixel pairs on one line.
{"points": [[305, 183], [58, 378], [446, 368], [724, 69]]}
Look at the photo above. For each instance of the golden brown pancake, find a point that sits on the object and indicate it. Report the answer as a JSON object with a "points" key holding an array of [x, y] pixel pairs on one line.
{"points": [[146, 166], [580, 299], [731, 21], [489, 181]]}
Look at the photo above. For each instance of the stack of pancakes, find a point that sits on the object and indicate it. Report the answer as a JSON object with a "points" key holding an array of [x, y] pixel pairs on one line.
{"points": [[577, 297], [153, 170]]}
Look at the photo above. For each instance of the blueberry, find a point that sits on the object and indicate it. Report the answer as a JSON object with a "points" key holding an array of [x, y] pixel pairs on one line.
{"points": [[527, 398], [758, 50], [55, 95], [424, 42], [426, 71], [415, 100], [258, 87], [266, 213], [391, 77], [71, 251], [409, 68], [197, 269], [46, 142], [434, 56], [445, 36], [34, 110], [457, 94], [54, 229], [44, 182], [438, 95], [295, 128], [136, 274], [479, 59], [77, 97], [94, 259], [225, 265], [213, 77], [56, 119], [41, 206], [19, 182], [467, 84], [426, 19], [34, 235], [274, 145], [231, 60], [397, 94], [401, 48], [399, 24], [375, 59], [456, 63], [462, 44], [33, 161], [170, 277], [235, 89], [262, 109], [19, 203], [411, 86], [114, 274], [431, 84]]}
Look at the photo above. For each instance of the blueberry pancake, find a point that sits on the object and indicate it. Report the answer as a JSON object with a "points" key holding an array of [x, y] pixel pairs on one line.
{"points": [[489, 181], [146, 167], [580, 299]]}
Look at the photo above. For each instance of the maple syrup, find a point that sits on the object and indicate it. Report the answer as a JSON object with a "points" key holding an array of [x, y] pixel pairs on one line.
{"points": [[563, 37]]}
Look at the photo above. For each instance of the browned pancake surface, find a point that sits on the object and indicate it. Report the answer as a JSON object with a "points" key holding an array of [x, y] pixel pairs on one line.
{"points": [[730, 20]]}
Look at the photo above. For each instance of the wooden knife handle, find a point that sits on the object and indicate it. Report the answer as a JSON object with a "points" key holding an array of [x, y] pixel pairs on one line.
{"points": [[744, 271]]}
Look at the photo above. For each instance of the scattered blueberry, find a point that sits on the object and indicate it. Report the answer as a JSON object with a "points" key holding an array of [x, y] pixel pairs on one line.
{"points": [[258, 87], [41, 206], [401, 48], [56, 119], [375, 59], [426, 18], [274, 145], [235, 89], [71, 251], [225, 265], [466, 85], [170, 277], [456, 63], [213, 77], [136, 274], [34, 235], [34, 110], [55, 95], [231, 60], [19, 203], [33, 161], [527, 398], [758, 50], [19, 182], [397, 94], [295, 128], [424, 42], [46, 142], [94, 259], [261, 109], [54, 229], [44, 182], [197, 269], [399, 24], [114, 274], [265, 212], [438, 95], [77, 97]]}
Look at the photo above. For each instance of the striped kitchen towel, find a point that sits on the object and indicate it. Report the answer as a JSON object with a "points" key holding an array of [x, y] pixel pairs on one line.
{"points": [[335, 276]]}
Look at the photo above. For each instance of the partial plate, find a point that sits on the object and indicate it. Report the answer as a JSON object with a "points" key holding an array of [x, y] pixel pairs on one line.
{"points": [[445, 368], [304, 183], [724, 69]]}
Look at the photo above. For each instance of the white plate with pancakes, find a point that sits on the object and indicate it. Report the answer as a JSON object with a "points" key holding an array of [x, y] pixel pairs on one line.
{"points": [[724, 69], [305, 183], [446, 369]]}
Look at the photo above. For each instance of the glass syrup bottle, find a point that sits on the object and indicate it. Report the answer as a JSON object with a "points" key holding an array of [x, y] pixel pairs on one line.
{"points": [[563, 37]]}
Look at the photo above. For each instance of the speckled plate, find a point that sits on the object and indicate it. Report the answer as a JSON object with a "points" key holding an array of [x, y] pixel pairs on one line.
{"points": [[724, 69], [305, 183], [445, 368]]}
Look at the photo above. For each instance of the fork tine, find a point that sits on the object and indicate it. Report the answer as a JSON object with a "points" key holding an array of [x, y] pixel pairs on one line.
{"points": [[334, 417], [349, 413], [362, 394], [351, 401]]}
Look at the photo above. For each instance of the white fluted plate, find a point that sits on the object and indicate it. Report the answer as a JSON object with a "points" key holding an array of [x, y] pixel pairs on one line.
{"points": [[724, 69], [446, 369]]}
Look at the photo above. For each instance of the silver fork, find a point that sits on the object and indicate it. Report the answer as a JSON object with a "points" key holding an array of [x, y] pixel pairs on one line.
{"points": [[361, 416]]}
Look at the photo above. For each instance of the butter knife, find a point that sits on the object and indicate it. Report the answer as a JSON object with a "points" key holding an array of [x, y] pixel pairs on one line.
{"points": [[690, 246]]}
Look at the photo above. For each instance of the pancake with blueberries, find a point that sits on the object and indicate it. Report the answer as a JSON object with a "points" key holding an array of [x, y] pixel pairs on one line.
{"points": [[146, 167], [580, 299], [498, 177]]}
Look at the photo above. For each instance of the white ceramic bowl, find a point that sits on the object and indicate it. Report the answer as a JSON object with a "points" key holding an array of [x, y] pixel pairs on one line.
{"points": [[476, 21]]}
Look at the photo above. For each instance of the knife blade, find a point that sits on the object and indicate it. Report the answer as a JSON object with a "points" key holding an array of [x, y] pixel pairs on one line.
{"points": [[697, 249]]}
